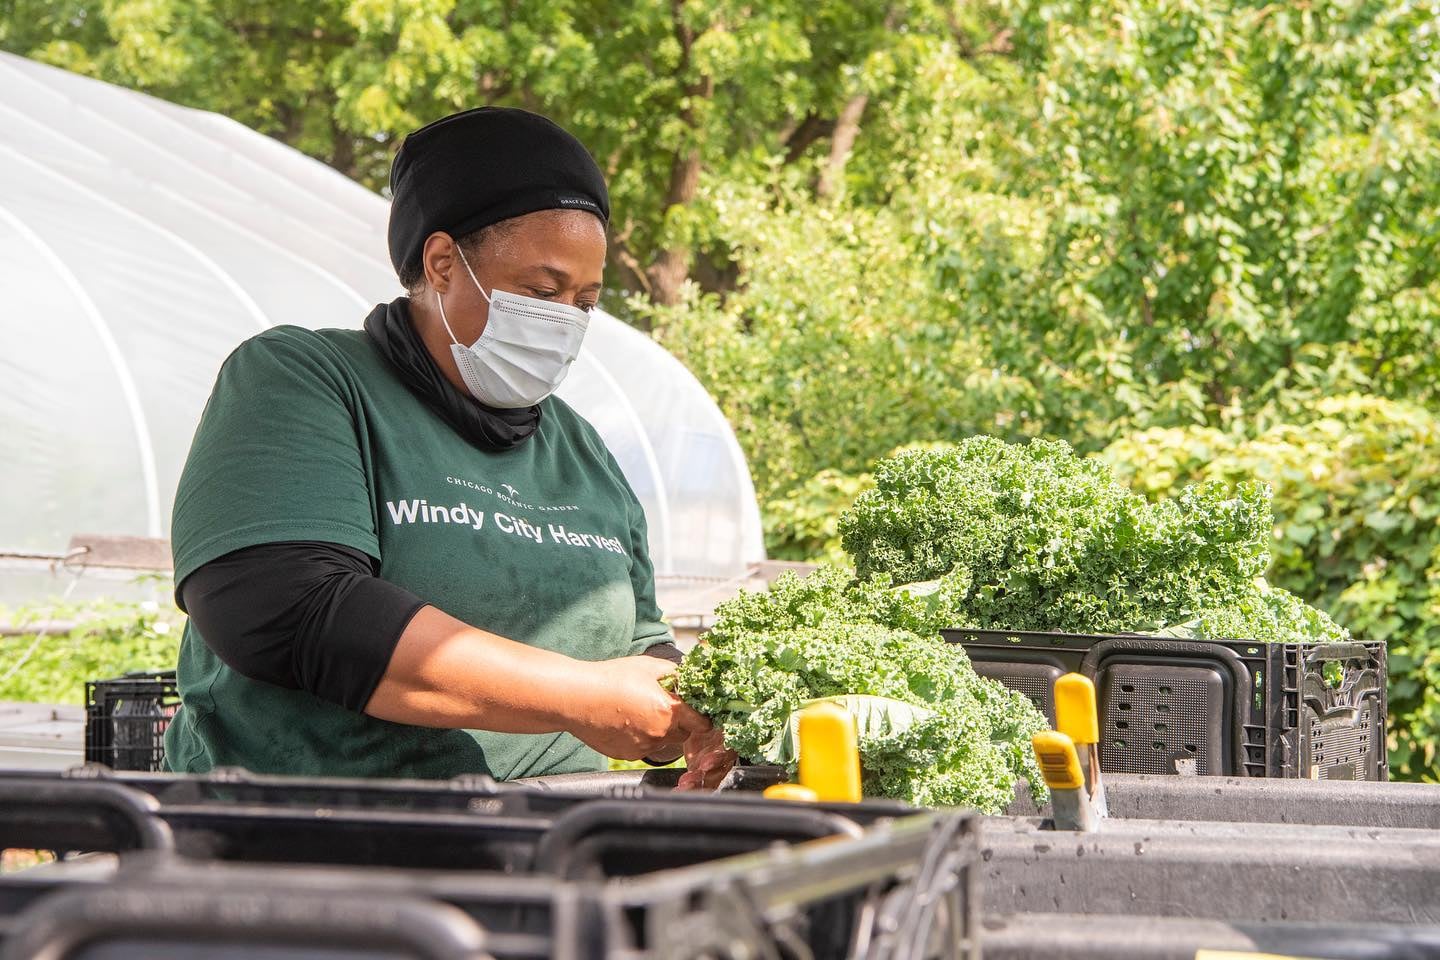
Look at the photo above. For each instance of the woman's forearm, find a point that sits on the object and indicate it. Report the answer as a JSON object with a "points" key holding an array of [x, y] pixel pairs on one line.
{"points": [[445, 673]]}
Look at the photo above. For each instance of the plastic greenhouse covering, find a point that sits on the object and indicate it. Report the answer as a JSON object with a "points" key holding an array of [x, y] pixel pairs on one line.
{"points": [[140, 242]]}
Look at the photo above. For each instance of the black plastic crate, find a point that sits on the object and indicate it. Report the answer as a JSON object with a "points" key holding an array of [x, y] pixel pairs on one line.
{"points": [[166, 921], [125, 719], [474, 793], [905, 888], [594, 839], [1227, 707]]}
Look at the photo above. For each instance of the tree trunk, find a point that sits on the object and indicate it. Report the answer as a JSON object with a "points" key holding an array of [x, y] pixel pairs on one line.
{"points": [[847, 128], [342, 150], [812, 128], [672, 262]]}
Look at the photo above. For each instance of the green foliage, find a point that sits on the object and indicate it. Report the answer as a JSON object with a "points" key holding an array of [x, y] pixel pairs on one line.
{"points": [[1357, 502], [665, 95], [932, 732], [1241, 188], [109, 638], [1053, 541], [1128, 215], [847, 351], [804, 523]]}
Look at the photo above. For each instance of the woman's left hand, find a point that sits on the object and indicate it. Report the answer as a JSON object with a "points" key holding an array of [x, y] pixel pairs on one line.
{"points": [[707, 760]]}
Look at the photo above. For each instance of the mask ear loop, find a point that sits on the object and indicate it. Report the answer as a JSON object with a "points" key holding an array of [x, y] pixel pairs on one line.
{"points": [[441, 304], [488, 300]]}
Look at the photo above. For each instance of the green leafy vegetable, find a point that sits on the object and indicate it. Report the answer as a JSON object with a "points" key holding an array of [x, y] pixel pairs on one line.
{"points": [[875, 718], [1265, 614], [931, 731], [1052, 541]]}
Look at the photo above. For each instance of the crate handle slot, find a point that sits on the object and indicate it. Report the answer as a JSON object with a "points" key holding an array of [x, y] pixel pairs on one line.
{"points": [[77, 815]]}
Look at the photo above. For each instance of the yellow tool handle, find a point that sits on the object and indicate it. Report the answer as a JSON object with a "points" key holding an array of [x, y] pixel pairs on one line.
{"points": [[830, 753], [790, 791], [1075, 713], [1059, 763]]}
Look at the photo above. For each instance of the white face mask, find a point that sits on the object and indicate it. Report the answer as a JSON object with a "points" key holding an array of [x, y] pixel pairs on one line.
{"points": [[525, 350]]}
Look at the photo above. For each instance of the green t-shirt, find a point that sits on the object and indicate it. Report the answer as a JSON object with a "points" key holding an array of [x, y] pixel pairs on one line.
{"points": [[309, 435]]}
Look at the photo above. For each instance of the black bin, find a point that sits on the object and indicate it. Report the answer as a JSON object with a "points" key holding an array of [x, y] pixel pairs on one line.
{"points": [[125, 719], [1212, 707]]}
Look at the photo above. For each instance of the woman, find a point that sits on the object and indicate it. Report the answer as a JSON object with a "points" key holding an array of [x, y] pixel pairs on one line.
{"points": [[400, 554]]}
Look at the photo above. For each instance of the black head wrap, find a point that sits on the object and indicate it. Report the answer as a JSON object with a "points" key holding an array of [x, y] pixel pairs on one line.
{"points": [[479, 167]]}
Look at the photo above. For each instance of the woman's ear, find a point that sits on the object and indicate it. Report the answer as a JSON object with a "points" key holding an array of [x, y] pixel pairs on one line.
{"points": [[438, 258]]}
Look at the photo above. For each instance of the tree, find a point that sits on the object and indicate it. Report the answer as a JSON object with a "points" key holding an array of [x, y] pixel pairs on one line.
{"points": [[1240, 197], [667, 95], [1167, 213]]}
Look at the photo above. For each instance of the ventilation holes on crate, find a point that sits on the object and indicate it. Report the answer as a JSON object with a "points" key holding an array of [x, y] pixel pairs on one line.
{"points": [[1036, 689], [1160, 706]]}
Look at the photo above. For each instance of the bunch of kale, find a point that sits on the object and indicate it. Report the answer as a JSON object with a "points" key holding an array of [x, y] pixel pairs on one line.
{"points": [[1052, 541], [932, 732]]}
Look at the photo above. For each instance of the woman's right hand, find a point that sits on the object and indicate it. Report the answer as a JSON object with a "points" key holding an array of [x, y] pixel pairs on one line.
{"points": [[622, 711]]}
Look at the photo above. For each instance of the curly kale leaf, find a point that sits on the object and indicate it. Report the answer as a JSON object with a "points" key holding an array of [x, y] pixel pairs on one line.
{"points": [[1052, 541], [832, 595], [1264, 614], [948, 736]]}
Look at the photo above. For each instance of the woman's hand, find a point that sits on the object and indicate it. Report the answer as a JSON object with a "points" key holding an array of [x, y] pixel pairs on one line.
{"points": [[621, 710], [707, 761]]}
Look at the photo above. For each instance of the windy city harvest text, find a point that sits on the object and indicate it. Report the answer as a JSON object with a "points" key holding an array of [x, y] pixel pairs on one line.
{"points": [[420, 511]]}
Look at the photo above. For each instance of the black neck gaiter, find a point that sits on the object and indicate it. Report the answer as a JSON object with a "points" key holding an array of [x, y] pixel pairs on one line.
{"points": [[489, 428]]}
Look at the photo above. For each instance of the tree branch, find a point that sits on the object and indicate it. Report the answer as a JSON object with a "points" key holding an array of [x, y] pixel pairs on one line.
{"points": [[814, 127], [621, 255], [490, 88], [847, 128]]}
